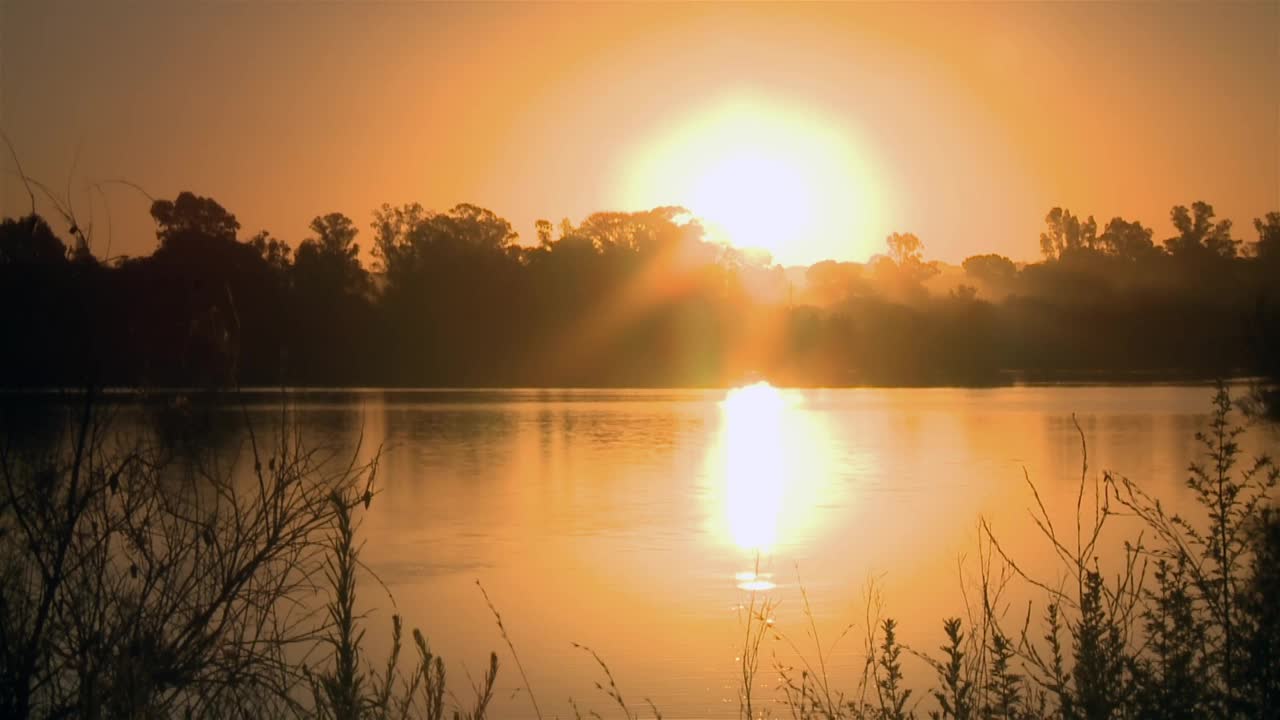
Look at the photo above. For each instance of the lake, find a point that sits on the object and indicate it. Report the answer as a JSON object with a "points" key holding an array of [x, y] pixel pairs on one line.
{"points": [[639, 522]]}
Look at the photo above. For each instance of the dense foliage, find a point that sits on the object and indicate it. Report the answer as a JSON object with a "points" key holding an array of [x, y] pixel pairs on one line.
{"points": [[621, 299]]}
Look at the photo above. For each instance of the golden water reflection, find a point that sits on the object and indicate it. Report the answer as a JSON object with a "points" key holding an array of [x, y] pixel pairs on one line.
{"points": [[627, 520], [772, 469], [754, 580]]}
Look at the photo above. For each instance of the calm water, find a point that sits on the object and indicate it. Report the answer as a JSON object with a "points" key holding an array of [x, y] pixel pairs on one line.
{"points": [[632, 521]]}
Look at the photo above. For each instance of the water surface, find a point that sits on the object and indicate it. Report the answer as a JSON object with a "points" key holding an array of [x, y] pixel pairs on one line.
{"points": [[638, 522]]}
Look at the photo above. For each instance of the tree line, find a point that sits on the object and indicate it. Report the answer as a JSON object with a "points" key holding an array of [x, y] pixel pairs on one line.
{"points": [[622, 299]]}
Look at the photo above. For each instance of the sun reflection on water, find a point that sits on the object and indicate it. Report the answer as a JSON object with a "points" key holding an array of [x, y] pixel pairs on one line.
{"points": [[754, 467], [771, 471], [755, 581]]}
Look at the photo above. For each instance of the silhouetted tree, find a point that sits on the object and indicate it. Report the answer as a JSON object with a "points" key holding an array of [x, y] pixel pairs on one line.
{"points": [[43, 298], [1267, 246], [620, 298], [450, 283], [408, 236], [211, 307], [30, 241], [646, 233], [1066, 234], [902, 277], [904, 249], [830, 282], [994, 271], [392, 227], [1126, 240], [275, 252], [330, 302], [329, 262], [1199, 234], [543, 230], [193, 216]]}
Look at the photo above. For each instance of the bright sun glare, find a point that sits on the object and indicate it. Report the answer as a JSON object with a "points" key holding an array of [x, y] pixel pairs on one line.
{"points": [[772, 472], [755, 468], [760, 175]]}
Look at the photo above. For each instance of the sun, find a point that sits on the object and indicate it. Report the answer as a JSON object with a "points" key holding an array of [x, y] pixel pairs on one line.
{"points": [[762, 175]]}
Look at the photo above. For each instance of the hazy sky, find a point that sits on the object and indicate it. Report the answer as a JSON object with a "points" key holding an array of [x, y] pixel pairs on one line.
{"points": [[827, 125]]}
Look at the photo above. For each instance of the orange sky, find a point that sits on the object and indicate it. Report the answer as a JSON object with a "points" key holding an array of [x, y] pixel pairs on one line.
{"points": [[966, 122]]}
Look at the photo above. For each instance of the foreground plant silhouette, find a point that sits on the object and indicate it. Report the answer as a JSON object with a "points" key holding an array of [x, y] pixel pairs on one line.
{"points": [[348, 689], [131, 587]]}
